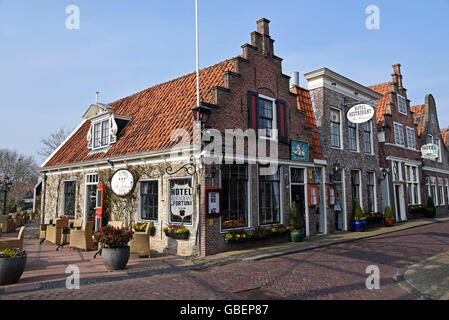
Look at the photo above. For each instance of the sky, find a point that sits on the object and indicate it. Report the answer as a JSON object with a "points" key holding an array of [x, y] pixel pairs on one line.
{"points": [[49, 74]]}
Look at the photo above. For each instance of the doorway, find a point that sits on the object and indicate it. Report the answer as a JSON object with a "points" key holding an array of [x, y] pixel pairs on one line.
{"points": [[399, 202], [298, 196]]}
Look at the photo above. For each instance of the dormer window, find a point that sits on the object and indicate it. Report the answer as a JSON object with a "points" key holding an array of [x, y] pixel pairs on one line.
{"points": [[101, 134]]}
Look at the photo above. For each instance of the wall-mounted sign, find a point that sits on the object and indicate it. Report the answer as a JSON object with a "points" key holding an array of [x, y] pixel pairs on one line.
{"points": [[360, 113], [299, 150], [181, 200], [429, 151], [122, 182], [213, 202]]}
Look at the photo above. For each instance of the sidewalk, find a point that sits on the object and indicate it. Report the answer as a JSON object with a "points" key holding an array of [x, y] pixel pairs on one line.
{"points": [[428, 280], [318, 241]]}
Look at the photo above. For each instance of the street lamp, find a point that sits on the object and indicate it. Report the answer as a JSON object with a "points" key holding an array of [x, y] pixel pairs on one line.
{"points": [[5, 187]]}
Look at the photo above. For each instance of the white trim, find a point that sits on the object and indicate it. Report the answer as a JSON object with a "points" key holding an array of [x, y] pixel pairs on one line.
{"points": [[407, 129], [437, 170], [341, 147], [406, 161], [399, 146], [401, 130], [64, 142], [101, 121], [399, 104], [274, 128]]}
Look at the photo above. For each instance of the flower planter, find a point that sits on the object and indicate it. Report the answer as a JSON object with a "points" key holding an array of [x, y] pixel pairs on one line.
{"points": [[297, 235], [115, 258], [179, 236], [388, 222], [358, 225], [11, 269]]}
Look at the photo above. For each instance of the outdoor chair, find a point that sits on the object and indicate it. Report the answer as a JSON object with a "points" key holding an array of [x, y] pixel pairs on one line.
{"points": [[7, 223], [17, 219], [82, 239], [13, 243], [140, 244], [54, 233], [42, 232]]}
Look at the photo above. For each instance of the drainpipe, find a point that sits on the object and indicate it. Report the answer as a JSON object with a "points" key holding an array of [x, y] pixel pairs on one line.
{"points": [[44, 193]]}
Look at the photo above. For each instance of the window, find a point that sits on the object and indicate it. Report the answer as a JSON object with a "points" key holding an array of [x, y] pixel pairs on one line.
{"points": [[367, 137], [91, 195], [69, 198], [411, 178], [436, 141], [433, 190], [234, 183], [335, 128], [399, 134], [371, 192], [352, 136], [440, 195], [446, 194], [269, 199], [101, 134], [411, 138], [174, 218], [402, 104], [396, 170], [149, 200], [429, 138], [266, 112], [355, 184]]}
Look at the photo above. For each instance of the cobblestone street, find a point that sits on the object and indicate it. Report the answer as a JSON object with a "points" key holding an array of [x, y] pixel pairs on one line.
{"points": [[334, 272]]}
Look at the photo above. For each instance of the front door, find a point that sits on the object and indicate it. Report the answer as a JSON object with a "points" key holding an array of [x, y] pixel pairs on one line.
{"points": [[399, 197], [298, 196]]}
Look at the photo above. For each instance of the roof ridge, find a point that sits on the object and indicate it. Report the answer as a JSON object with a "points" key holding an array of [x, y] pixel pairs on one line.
{"points": [[176, 79]]}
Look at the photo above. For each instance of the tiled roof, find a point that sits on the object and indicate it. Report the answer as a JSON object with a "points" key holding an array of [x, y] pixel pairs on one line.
{"points": [[382, 104], [445, 136], [155, 113], [305, 104], [418, 117]]}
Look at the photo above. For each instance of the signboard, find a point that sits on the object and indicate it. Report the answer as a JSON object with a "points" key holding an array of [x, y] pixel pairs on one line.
{"points": [[429, 151], [122, 182], [181, 200], [213, 202], [299, 150], [360, 113]]}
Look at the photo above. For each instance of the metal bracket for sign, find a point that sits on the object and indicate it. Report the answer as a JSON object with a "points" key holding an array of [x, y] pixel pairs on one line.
{"points": [[190, 168]]}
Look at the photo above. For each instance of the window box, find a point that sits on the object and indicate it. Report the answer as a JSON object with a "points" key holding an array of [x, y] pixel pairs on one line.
{"points": [[177, 232]]}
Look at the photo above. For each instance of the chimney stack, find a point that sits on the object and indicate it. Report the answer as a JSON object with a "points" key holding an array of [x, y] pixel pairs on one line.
{"points": [[397, 72], [294, 79], [261, 38], [263, 26]]}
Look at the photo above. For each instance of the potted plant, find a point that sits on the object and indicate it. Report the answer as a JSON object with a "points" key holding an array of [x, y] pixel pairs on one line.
{"points": [[115, 248], [12, 265], [431, 211], [389, 221], [177, 231], [297, 224], [358, 223]]}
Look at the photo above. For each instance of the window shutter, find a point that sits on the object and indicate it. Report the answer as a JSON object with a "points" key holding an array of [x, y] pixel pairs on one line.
{"points": [[282, 123], [253, 110]]}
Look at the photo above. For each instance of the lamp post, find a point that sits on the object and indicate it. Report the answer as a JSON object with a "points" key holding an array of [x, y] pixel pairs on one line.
{"points": [[5, 187]]}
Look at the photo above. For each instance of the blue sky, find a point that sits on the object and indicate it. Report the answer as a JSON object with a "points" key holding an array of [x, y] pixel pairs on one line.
{"points": [[49, 74]]}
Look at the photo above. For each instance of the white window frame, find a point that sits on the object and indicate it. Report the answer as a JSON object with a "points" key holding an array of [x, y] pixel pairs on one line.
{"points": [[91, 179], [399, 170], [101, 122], [411, 134], [399, 128], [400, 97], [357, 142], [63, 196], [442, 200], [439, 148], [139, 214], [341, 130], [374, 190], [274, 128], [371, 138]]}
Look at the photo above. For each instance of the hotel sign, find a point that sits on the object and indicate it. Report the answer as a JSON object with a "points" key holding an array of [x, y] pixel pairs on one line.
{"points": [[360, 113], [429, 151], [122, 182], [181, 200]]}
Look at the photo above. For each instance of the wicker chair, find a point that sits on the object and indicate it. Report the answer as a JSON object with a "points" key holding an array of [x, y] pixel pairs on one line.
{"points": [[82, 239], [54, 233], [17, 219], [12, 243], [1, 226], [42, 232], [140, 244], [8, 224]]}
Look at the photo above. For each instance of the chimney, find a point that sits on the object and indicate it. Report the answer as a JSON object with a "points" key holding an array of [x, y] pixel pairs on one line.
{"points": [[294, 79], [261, 39], [397, 72], [397, 69], [263, 26]]}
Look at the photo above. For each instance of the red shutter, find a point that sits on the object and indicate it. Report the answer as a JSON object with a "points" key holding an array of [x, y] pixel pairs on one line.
{"points": [[252, 110], [282, 120]]}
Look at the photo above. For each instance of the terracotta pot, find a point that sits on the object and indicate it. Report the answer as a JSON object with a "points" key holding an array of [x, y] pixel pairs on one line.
{"points": [[389, 222]]}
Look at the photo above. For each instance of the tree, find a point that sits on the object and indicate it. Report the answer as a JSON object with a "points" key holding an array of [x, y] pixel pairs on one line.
{"points": [[51, 143]]}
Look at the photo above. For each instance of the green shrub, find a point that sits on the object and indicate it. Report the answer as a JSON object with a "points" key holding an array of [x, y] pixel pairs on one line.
{"points": [[388, 214], [296, 220], [357, 213], [431, 209]]}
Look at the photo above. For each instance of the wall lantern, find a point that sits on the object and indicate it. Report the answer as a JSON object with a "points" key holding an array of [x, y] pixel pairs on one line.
{"points": [[336, 168], [383, 173], [202, 112]]}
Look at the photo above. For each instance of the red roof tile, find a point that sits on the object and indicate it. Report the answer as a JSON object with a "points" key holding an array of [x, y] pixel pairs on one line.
{"points": [[418, 117], [304, 103], [445, 136], [383, 103], [155, 113]]}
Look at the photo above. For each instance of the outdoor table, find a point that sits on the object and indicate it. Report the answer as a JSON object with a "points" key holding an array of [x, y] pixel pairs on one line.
{"points": [[65, 237]]}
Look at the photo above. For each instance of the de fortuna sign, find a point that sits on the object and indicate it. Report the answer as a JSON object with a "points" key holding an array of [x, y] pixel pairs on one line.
{"points": [[181, 200]]}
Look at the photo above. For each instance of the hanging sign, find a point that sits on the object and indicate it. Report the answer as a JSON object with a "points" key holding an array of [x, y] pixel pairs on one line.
{"points": [[429, 151], [122, 182], [360, 113], [181, 200], [299, 150]]}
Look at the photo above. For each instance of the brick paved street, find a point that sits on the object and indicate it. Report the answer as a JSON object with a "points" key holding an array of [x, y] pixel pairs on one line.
{"points": [[335, 272]]}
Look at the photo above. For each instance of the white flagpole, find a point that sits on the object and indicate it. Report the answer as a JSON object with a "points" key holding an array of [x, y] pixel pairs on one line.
{"points": [[197, 58]]}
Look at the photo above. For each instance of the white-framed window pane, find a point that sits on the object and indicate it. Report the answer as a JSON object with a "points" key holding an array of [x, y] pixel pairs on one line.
{"points": [[105, 133], [335, 128], [367, 137], [149, 200], [402, 104], [352, 136], [97, 135]]}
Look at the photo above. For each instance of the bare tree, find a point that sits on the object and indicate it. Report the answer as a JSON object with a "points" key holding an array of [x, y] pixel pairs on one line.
{"points": [[51, 143]]}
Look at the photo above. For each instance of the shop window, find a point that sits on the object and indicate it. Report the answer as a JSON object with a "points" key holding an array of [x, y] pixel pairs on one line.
{"points": [[149, 200], [234, 183], [335, 128], [175, 218], [314, 197], [440, 195], [269, 199], [69, 198]]}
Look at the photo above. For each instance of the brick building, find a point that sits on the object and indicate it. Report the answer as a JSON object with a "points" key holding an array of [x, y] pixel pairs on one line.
{"points": [[435, 173], [136, 133], [351, 150], [397, 134]]}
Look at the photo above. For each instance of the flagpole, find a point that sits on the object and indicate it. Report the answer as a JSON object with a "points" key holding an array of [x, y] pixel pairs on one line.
{"points": [[197, 58]]}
